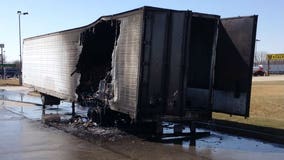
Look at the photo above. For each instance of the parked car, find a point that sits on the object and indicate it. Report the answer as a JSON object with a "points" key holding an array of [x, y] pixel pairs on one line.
{"points": [[259, 71], [10, 73]]}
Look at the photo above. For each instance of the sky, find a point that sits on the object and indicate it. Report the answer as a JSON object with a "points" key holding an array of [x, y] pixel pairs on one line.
{"points": [[47, 16]]}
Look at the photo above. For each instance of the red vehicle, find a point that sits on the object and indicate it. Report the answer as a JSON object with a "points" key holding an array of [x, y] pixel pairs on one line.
{"points": [[259, 71]]}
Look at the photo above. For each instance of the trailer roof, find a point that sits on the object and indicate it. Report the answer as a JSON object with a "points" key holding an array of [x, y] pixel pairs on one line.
{"points": [[118, 15]]}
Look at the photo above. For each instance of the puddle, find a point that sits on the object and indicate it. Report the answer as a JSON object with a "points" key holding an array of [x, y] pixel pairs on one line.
{"points": [[219, 140], [35, 111], [216, 142], [21, 96]]}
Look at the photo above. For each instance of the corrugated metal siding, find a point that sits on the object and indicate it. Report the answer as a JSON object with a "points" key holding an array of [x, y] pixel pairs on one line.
{"points": [[48, 62], [126, 64]]}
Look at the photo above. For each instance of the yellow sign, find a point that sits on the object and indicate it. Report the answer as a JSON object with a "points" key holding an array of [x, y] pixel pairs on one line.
{"points": [[275, 56]]}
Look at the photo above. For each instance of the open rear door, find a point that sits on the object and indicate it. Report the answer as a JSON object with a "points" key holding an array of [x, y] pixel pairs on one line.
{"points": [[233, 69]]}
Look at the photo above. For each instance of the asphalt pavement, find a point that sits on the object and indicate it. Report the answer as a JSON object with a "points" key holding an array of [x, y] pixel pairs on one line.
{"points": [[24, 138]]}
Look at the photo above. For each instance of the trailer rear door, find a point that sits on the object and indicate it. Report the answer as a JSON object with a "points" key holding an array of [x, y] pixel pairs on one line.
{"points": [[233, 69]]}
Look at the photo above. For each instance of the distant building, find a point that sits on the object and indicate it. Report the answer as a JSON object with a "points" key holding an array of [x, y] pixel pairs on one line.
{"points": [[274, 63]]}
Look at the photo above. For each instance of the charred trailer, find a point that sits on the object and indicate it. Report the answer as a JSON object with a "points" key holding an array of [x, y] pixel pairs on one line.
{"points": [[150, 64]]}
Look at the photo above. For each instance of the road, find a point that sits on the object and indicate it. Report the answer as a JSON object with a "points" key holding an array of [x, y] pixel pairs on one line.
{"points": [[25, 139]]}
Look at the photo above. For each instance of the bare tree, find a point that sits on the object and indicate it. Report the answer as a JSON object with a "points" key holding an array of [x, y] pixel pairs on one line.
{"points": [[260, 58]]}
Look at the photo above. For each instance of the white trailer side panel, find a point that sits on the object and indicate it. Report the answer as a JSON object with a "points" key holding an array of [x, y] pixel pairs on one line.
{"points": [[48, 62], [126, 64]]}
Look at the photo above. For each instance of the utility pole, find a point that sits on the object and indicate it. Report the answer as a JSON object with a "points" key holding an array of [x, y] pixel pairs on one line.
{"points": [[20, 42], [2, 60]]}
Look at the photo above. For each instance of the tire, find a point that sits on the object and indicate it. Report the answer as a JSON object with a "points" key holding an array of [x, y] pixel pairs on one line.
{"points": [[49, 100], [259, 73]]}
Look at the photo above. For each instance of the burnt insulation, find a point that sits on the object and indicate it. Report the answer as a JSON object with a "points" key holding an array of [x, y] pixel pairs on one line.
{"points": [[95, 59]]}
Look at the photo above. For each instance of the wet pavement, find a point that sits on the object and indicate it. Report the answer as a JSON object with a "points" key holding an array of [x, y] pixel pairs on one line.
{"points": [[23, 136], [22, 139]]}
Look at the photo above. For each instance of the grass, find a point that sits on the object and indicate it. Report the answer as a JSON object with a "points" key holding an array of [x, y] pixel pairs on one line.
{"points": [[266, 107], [9, 82]]}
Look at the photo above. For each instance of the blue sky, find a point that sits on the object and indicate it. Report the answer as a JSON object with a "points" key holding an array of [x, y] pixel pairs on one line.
{"points": [[47, 16]]}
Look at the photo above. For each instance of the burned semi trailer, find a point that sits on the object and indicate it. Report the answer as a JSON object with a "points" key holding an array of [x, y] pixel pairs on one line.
{"points": [[150, 64]]}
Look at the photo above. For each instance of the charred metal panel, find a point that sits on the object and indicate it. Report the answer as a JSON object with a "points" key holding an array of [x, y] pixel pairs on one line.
{"points": [[126, 64], [153, 56], [234, 62], [201, 58], [176, 62], [159, 29], [179, 51], [48, 62], [164, 62]]}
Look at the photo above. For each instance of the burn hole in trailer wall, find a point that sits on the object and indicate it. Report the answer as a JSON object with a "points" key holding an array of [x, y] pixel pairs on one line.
{"points": [[95, 59]]}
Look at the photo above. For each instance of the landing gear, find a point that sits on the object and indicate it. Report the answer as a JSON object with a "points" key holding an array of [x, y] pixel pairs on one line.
{"points": [[96, 114], [104, 116], [177, 136], [73, 109], [49, 100]]}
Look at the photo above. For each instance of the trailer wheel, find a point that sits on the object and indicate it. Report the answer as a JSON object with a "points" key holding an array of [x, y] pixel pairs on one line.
{"points": [[107, 117], [49, 100], [95, 114]]}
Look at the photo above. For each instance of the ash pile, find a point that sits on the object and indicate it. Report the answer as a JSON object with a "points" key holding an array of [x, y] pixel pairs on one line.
{"points": [[79, 121], [85, 128]]}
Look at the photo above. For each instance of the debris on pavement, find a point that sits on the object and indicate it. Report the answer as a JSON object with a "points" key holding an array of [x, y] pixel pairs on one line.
{"points": [[47, 118], [85, 128]]}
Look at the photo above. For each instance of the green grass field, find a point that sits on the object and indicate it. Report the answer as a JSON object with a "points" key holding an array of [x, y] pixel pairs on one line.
{"points": [[9, 82]]}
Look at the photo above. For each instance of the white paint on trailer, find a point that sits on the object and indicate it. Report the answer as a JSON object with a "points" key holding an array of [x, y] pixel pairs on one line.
{"points": [[49, 60]]}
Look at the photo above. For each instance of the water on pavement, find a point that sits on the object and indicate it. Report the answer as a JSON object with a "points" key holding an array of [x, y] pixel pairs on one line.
{"points": [[26, 138]]}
